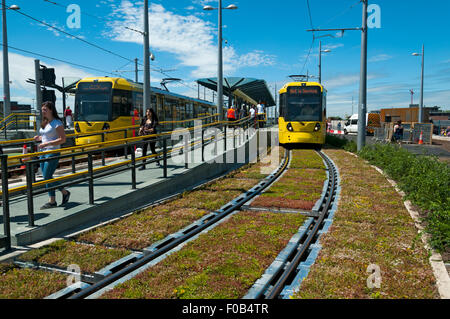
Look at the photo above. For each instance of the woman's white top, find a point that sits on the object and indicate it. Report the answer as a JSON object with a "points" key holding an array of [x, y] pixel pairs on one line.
{"points": [[49, 134]]}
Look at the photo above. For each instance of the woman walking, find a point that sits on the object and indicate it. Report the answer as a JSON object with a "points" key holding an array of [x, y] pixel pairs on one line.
{"points": [[148, 127], [52, 135]]}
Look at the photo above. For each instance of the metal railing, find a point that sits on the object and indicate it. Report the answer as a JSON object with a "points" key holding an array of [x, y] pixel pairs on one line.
{"points": [[16, 121], [104, 133], [33, 187]]}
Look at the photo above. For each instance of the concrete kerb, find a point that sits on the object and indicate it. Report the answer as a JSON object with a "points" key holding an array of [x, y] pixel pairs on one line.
{"points": [[437, 264]]}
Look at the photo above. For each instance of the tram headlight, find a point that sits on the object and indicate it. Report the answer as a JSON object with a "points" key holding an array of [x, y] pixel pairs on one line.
{"points": [[77, 128], [289, 127], [317, 127], [106, 126]]}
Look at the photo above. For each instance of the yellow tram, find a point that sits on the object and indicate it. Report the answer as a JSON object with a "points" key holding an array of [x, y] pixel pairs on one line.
{"points": [[108, 103], [302, 117]]}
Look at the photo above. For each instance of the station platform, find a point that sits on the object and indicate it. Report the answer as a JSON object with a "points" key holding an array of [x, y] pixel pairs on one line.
{"points": [[114, 196]]}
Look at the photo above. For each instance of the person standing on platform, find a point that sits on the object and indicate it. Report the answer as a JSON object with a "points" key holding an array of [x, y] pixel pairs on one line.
{"points": [[68, 117], [260, 113], [148, 127], [52, 135], [231, 114], [242, 112], [253, 115]]}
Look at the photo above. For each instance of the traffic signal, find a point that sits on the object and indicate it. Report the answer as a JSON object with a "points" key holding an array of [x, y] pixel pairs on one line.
{"points": [[48, 95], [48, 76]]}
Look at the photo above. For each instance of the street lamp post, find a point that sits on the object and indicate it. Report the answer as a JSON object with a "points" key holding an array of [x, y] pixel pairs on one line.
{"points": [[320, 59], [219, 56], [6, 91], [420, 119]]}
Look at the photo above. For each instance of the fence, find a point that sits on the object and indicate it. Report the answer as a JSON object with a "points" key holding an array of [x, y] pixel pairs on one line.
{"points": [[33, 188], [411, 132]]}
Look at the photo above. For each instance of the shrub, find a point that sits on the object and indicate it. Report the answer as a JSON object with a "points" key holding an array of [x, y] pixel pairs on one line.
{"points": [[425, 181], [341, 143]]}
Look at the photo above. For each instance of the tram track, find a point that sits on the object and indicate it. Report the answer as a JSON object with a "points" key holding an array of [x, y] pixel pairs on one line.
{"points": [[92, 282], [275, 282], [171, 242]]}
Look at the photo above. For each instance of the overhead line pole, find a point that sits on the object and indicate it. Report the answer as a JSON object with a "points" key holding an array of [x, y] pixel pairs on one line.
{"points": [[147, 94], [362, 107]]}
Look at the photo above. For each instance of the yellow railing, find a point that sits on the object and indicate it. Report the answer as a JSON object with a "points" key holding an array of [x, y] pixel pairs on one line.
{"points": [[92, 146], [77, 135]]}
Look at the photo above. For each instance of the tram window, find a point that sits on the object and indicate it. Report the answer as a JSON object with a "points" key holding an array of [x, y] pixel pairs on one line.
{"points": [[92, 107], [153, 102], [169, 111], [197, 110], [303, 109], [122, 103], [138, 101], [282, 104]]}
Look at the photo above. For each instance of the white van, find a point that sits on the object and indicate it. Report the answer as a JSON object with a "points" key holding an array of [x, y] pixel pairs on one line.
{"points": [[351, 126], [372, 121]]}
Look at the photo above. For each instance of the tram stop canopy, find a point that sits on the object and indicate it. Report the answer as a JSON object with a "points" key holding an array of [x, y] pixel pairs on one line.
{"points": [[248, 89]]}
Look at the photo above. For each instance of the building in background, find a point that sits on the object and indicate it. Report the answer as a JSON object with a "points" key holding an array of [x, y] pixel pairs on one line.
{"points": [[407, 114]]}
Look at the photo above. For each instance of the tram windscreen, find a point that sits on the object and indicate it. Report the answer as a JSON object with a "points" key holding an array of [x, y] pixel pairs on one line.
{"points": [[93, 102], [304, 104]]}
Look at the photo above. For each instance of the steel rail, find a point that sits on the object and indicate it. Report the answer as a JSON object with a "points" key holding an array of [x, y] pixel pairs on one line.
{"points": [[234, 205], [326, 204]]}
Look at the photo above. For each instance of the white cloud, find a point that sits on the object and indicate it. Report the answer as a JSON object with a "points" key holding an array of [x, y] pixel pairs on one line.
{"points": [[332, 46], [379, 58], [189, 38]]}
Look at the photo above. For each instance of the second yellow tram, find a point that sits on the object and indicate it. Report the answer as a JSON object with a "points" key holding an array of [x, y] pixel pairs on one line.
{"points": [[302, 117], [105, 103]]}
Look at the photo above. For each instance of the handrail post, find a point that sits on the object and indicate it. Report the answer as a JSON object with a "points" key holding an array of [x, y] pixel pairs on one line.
{"points": [[73, 163], [225, 145], [203, 145], [126, 144], [234, 136], [225, 138], [133, 170], [103, 152], [186, 150], [164, 157], [91, 180], [30, 204], [5, 201]]}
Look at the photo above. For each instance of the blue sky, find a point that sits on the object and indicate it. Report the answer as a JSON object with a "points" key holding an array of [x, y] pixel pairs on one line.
{"points": [[264, 40]]}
